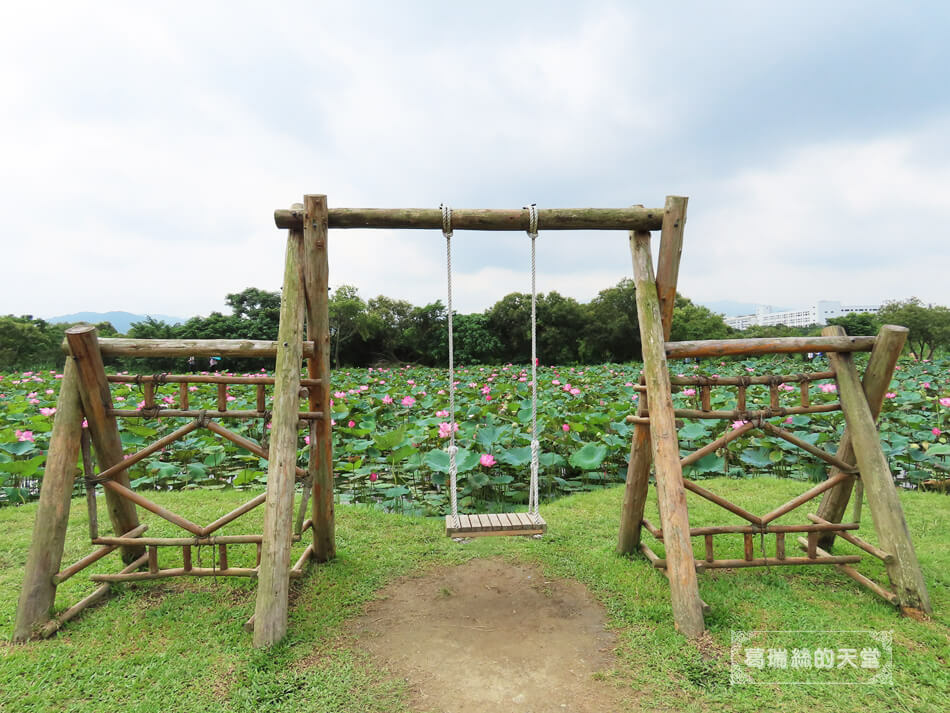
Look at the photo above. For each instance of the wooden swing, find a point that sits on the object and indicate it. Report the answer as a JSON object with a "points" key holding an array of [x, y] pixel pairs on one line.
{"points": [[488, 524]]}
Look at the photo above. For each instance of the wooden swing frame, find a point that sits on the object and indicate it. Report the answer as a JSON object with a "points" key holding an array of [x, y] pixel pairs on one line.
{"points": [[85, 392]]}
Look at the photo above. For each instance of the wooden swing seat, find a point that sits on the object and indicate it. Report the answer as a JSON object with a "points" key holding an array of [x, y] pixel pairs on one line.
{"points": [[486, 525]]}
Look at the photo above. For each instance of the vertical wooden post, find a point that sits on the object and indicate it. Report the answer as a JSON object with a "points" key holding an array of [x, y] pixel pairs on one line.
{"points": [[270, 611], [877, 379], [49, 527], [316, 285], [681, 565], [641, 457], [96, 403], [886, 512]]}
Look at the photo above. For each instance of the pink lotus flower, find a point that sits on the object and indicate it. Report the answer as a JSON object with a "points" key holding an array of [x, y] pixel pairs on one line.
{"points": [[926, 384], [689, 392], [487, 460], [486, 389], [447, 429], [47, 411], [829, 388], [442, 414], [387, 399], [407, 401], [24, 436], [350, 424], [737, 424], [373, 477], [556, 382], [890, 395], [788, 419], [936, 431], [565, 427], [306, 439], [945, 402], [575, 391]]}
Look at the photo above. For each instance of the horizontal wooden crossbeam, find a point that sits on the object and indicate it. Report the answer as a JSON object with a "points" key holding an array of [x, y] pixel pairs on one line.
{"points": [[772, 345], [184, 348], [192, 413], [765, 379], [481, 219], [130, 537], [199, 379], [752, 530]]}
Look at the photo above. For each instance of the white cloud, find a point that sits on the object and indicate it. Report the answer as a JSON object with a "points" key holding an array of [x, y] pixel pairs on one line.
{"points": [[144, 148], [858, 221]]}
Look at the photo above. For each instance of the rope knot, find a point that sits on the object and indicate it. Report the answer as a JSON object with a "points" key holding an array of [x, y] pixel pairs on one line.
{"points": [[532, 220], [446, 220]]}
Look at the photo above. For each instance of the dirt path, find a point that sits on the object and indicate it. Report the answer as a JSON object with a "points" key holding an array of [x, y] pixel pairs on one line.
{"points": [[488, 635]]}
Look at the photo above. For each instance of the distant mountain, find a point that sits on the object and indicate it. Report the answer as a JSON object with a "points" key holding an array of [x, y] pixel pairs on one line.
{"points": [[729, 308], [120, 320]]}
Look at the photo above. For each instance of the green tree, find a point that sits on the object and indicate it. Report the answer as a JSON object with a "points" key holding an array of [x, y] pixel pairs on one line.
{"points": [[858, 323], [348, 318], [28, 343], [386, 321], [693, 321], [561, 324], [612, 332], [256, 312], [929, 325], [474, 341], [509, 320], [426, 334]]}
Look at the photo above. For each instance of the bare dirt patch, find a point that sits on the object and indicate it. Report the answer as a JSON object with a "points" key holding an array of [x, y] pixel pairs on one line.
{"points": [[490, 635]]}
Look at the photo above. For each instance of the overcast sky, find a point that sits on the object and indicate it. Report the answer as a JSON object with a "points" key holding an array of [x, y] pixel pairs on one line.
{"points": [[144, 147]]}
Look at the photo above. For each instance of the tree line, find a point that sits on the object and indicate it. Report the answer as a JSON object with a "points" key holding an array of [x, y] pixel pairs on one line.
{"points": [[382, 330]]}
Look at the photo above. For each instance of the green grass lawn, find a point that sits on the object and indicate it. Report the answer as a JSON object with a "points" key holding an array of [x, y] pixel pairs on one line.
{"points": [[179, 645]]}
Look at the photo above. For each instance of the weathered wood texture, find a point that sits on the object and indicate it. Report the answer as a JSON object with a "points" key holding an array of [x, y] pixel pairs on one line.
{"points": [[274, 571], [81, 564], [49, 526], [876, 382], [853, 573], [889, 523], [641, 451], [184, 348], [96, 404], [194, 413], [198, 379], [316, 276], [668, 262], [684, 590], [512, 523], [772, 345], [100, 592], [637, 483], [469, 219], [749, 380]]}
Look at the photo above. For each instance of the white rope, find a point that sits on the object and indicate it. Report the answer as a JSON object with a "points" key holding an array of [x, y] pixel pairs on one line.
{"points": [[533, 491], [453, 450]]}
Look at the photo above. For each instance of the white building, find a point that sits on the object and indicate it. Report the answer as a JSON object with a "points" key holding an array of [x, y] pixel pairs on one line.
{"points": [[819, 313]]}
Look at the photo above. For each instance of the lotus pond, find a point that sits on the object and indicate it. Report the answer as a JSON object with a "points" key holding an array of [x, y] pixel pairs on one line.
{"points": [[391, 427]]}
